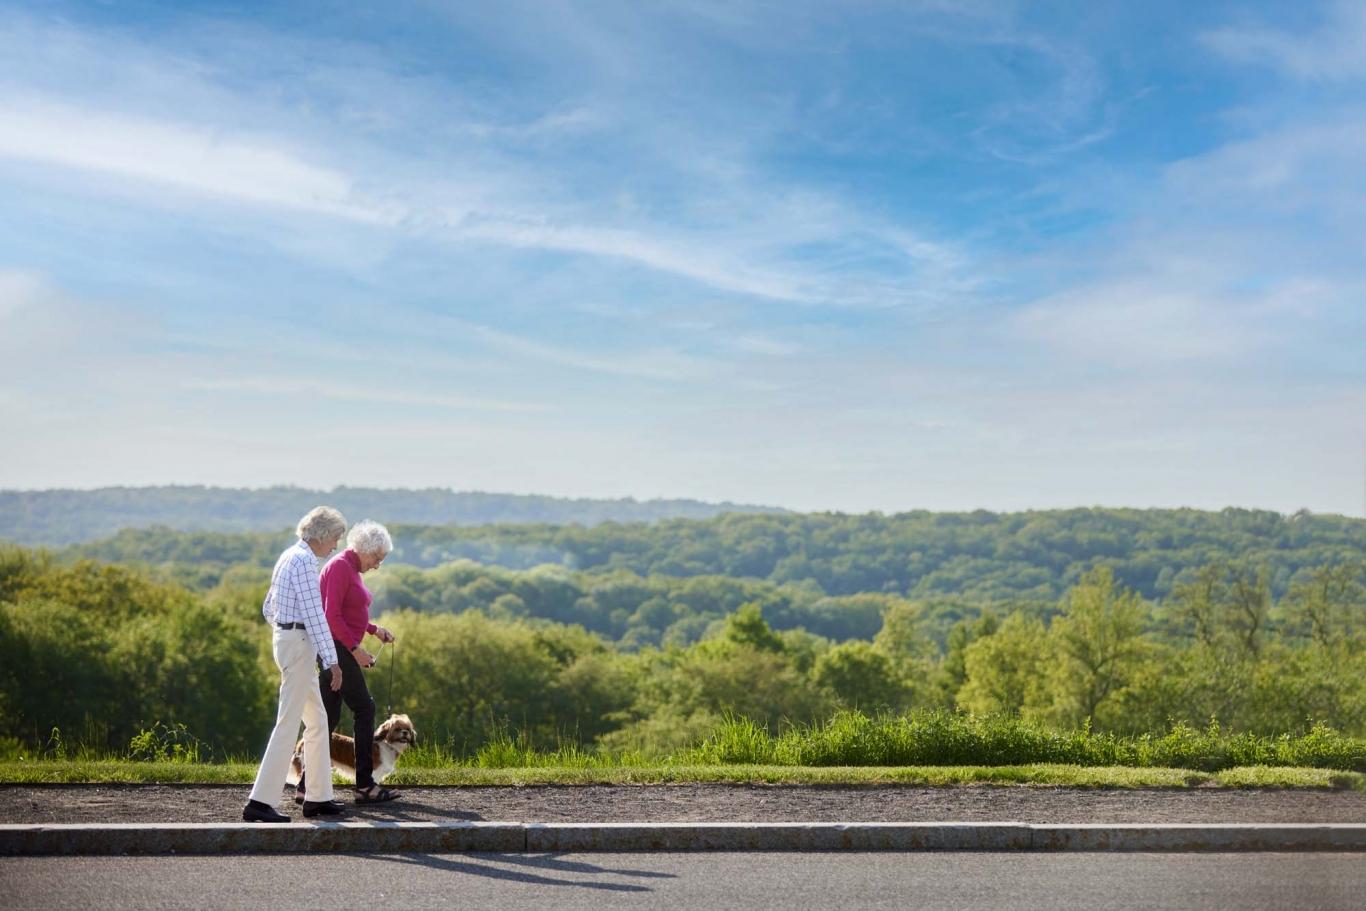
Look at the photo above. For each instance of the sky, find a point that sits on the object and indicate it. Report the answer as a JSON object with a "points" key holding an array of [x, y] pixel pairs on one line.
{"points": [[844, 256]]}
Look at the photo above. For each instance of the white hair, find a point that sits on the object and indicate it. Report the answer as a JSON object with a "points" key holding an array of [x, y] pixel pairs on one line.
{"points": [[321, 524], [370, 538]]}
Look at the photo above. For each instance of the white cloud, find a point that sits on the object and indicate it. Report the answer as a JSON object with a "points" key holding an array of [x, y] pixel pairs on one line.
{"points": [[703, 261], [1138, 323], [278, 386], [653, 364], [459, 162], [557, 123], [1249, 249], [186, 157], [264, 173], [763, 345], [45, 325], [1331, 52], [1306, 166], [19, 290]]}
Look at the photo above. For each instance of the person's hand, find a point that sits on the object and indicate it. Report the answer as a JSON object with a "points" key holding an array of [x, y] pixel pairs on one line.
{"points": [[384, 635], [336, 677], [363, 658]]}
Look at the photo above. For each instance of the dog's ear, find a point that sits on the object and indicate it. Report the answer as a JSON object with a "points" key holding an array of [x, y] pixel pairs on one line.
{"points": [[383, 730]]}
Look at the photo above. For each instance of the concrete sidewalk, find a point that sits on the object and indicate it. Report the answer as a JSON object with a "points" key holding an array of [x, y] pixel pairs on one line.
{"points": [[514, 837]]}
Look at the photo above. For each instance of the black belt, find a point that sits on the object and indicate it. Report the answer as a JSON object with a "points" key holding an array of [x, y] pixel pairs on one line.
{"points": [[291, 626]]}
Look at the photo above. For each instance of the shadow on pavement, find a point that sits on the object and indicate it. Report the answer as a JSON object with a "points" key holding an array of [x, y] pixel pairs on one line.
{"points": [[553, 862], [477, 865]]}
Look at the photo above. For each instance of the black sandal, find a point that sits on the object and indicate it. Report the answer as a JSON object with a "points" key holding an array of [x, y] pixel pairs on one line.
{"points": [[371, 795]]}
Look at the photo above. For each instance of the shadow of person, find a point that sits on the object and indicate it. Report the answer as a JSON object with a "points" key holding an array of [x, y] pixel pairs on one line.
{"points": [[553, 862], [473, 868]]}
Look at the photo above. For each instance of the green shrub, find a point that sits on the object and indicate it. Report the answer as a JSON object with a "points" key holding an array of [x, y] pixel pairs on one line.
{"points": [[736, 741], [1322, 748], [942, 738], [164, 743]]}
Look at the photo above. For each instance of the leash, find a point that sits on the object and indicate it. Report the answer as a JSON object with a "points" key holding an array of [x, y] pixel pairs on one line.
{"points": [[393, 660]]}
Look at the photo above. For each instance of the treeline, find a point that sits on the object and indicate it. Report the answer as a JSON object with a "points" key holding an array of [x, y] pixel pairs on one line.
{"points": [[59, 517], [106, 651], [980, 557], [101, 652]]}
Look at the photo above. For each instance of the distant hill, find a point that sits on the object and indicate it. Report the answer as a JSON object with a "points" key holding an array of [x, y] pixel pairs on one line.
{"points": [[58, 517], [980, 556]]}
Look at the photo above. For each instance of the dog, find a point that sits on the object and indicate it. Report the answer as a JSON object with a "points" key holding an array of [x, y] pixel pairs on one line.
{"points": [[391, 739]]}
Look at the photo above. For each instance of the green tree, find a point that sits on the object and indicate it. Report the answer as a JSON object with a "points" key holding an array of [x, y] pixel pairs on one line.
{"points": [[1249, 607], [747, 627], [860, 676], [1098, 643], [952, 672], [1196, 605], [1329, 603], [761, 685], [66, 675], [469, 677], [1005, 672]]}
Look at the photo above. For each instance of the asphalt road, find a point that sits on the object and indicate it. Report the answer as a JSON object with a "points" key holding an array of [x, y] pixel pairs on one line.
{"points": [[598, 882]]}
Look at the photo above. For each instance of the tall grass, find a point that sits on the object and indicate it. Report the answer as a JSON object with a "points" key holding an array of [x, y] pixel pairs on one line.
{"points": [[508, 750], [847, 739], [946, 739]]}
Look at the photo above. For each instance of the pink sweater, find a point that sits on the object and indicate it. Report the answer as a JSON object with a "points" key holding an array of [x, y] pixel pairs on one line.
{"points": [[346, 600]]}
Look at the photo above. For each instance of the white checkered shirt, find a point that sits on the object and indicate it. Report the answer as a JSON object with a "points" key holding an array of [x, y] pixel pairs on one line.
{"points": [[294, 597]]}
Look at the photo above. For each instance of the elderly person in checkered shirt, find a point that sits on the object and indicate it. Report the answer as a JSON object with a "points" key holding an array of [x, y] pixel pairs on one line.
{"points": [[294, 609]]}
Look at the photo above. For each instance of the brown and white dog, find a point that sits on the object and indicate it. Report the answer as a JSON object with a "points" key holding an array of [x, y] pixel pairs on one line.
{"points": [[391, 739]]}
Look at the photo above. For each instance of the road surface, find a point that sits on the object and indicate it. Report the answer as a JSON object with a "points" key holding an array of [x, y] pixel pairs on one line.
{"points": [[600, 882]]}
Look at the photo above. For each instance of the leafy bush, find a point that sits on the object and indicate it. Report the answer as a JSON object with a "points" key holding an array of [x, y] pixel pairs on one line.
{"points": [[164, 743], [1322, 748], [947, 739]]}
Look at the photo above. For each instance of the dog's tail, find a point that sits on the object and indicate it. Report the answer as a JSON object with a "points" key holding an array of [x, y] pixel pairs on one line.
{"points": [[296, 765]]}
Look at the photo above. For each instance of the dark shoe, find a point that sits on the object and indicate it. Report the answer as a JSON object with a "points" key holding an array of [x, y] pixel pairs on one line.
{"points": [[323, 808], [255, 811], [376, 794]]}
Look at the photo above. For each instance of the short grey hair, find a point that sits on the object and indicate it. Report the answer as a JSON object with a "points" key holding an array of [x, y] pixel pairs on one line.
{"points": [[321, 524], [370, 538]]}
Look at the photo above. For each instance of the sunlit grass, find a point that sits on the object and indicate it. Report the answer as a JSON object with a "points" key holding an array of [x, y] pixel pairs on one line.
{"points": [[1289, 777], [123, 771], [950, 739], [934, 748]]}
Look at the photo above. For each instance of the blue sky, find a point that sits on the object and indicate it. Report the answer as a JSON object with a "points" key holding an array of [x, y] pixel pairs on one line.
{"points": [[854, 256]]}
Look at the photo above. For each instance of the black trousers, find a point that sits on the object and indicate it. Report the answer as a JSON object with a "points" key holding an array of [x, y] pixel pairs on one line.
{"points": [[356, 694]]}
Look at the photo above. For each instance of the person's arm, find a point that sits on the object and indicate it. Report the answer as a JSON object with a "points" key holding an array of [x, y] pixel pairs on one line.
{"points": [[269, 610], [336, 582], [314, 620]]}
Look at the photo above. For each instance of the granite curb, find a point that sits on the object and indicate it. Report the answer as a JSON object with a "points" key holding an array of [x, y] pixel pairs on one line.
{"points": [[514, 837]]}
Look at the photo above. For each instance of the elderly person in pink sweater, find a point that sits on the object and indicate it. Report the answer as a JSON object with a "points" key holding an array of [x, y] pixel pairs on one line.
{"points": [[346, 603]]}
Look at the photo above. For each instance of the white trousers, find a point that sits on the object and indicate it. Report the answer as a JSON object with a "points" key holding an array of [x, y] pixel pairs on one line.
{"points": [[300, 700]]}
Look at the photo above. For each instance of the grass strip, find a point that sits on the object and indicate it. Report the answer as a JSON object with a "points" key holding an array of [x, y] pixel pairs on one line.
{"points": [[1283, 777], [1040, 775], [114, 771]]}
